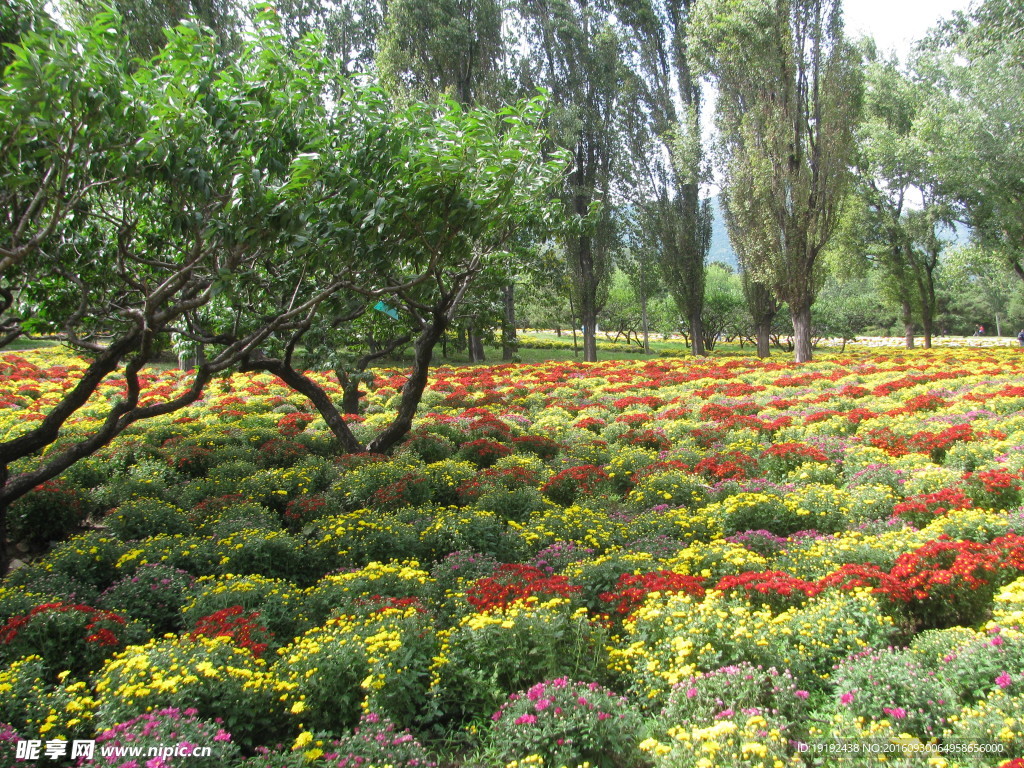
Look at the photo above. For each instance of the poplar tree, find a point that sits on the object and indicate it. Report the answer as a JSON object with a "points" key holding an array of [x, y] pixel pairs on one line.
{"points": [[577, 56], [670, 162], [789, 92]]}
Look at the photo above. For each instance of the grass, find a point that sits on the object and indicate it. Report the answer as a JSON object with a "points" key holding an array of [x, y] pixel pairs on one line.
{"points": [[24, 344]]}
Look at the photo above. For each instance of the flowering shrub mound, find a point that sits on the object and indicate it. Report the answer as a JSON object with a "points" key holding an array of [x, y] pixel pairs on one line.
{"points": [[72, 637], [631, 590], [516, 582], [566, 723], [48, 512], [375, 741], [154, 593], [177, 737], [574, 483], [923, 508], [777, 589], [243, 629], [893, 684]]}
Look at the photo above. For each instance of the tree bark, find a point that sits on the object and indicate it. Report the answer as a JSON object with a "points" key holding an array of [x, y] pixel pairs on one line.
{"points": [[908, 325], [314, 392], [764, 342], [588, 299], [350, 397], [5, 559], [802, 333], [476, 348], [412, 392], [645, 322], [697, 333], [508, 328], [927, 321]]}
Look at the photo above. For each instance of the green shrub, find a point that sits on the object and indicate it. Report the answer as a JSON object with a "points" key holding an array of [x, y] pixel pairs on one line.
{"points": [[142, 517], [154, 594], [50, 512], [488, 656], [211, 675], [365, 589], [196, 554], [91, 558], [354, 539], [386, 486], [67, 636], [674, 488], [894, 684], [269, 553], [381, 660]]}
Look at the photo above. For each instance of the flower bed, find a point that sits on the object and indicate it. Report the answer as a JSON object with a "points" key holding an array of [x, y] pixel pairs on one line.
{"points": [[688, 562]]}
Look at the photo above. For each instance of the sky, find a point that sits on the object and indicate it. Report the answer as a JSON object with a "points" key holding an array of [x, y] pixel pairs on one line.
{"points": [[896, 24]]}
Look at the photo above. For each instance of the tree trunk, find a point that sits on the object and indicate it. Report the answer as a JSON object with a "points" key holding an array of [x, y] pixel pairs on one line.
{"points": [[926, 321], [350, 397], [314, 392], [508, 327], [476, 348], [645, 322], [999, 327], [802, 333], [908, 325], [764, 342], [588, 299], [5, 559], [590, 337], [697, 333], [412, 392]]}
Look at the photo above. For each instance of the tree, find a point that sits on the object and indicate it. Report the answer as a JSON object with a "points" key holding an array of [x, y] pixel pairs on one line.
{"points": [[455, 189], [144, 22], [131, 203], [762, 307], [453, 46], [577, 56], [237, 204], [899, 207], [642, 270], [17, 17], [669, 157], [845, 309], [973, 119], [789, 96], [981, 279], [723, 304], [349, 28]]}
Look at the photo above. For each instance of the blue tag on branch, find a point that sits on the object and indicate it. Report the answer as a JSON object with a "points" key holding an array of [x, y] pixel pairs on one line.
{"points": [[380, 306]]}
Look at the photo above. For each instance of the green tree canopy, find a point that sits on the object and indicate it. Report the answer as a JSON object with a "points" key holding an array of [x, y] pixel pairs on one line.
{"points": [[973, 120]]}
